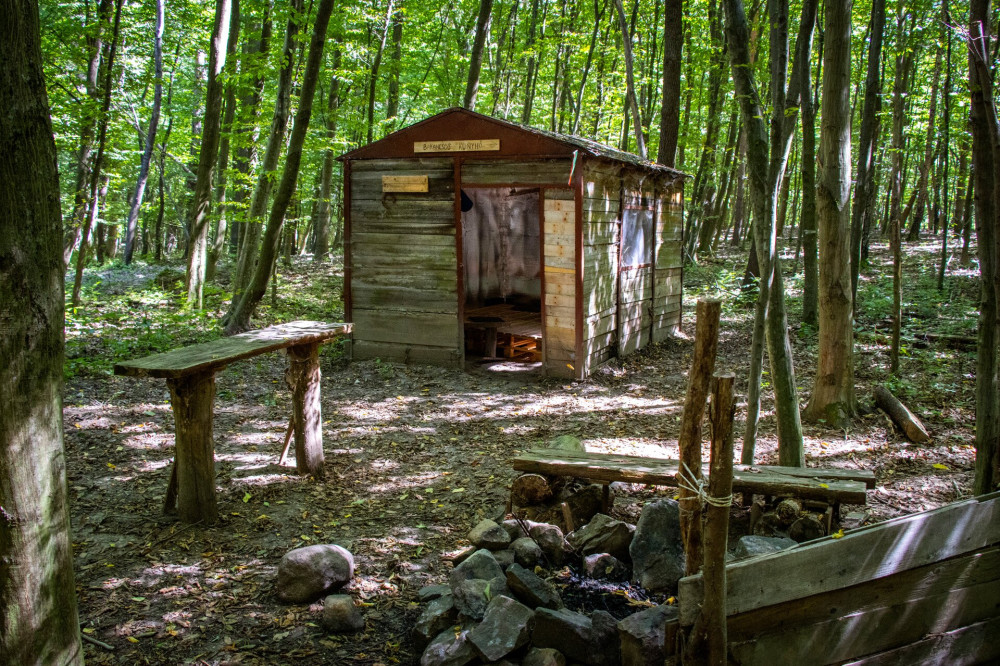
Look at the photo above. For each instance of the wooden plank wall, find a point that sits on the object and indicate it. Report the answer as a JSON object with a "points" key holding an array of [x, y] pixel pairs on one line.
{"points": [[559, 261], [404, 269], [601, 230], [516, 172], [923, 588], [635, 293], [668, 273]]}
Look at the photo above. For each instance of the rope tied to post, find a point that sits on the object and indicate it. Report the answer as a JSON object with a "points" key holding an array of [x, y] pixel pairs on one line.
{"points": [[698, 488]]}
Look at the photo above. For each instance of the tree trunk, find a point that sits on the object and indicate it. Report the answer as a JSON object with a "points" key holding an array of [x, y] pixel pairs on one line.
{"points": [[986, 171], [40, 623], [476, 58], [392, 101], [913, 233], [201, 204], [670, 108], [946, 151], [240, 321], [900, 87], [864, 194], [832, 402], [373, 77], [147, 153], [529, 78], [322, 223], [599, 8]]}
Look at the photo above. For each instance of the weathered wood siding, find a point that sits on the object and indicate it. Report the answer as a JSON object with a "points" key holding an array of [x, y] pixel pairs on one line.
{"points": [[635, 290], [667, 260], [601, 230], [559, 261], [404, 270], [520, 172]]}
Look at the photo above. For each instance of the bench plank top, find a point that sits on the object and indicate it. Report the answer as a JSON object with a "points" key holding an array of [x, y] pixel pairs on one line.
{"points": [[215, 355], [807, 482]]}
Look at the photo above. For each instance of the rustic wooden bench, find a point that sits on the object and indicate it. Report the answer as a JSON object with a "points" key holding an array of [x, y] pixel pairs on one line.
{"points": [[190, 374], [834, 486]]}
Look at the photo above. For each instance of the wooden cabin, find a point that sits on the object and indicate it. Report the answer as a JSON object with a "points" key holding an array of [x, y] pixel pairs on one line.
{"points": [[469, 236]]}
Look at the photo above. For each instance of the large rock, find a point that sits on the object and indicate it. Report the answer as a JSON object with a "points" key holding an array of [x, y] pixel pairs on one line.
{"points": [[603, 566], [432, 592], [471, 598], [566, 443], [593, 642], [531, 589], [543, 657], [752, 546], [437, 616], [306, 574], [481, 564], [603, 534], [340, 615], [645, 640], [552, 542], [657, 549], [504, 558], [449, 649], [487, 534], [506, 627], [514, 529], [527, 553]]}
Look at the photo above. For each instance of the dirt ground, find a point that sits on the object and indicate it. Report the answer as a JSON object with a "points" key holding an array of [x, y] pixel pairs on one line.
{"points": [[415, 456]]}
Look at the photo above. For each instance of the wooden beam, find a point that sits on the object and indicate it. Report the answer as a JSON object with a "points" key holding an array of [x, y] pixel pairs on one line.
{"points": [[192, 398], [304, 381]]}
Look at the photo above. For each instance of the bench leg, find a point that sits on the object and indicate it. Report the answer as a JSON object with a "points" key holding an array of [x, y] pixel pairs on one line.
{"points": [[192, 399], [304, 380]]}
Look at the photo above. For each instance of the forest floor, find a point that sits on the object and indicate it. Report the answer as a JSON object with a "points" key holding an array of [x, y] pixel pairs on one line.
{"points": [[416, 455]]}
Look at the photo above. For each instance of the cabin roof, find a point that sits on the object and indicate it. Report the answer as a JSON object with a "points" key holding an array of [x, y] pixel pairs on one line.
{"points": [[515, 140]]}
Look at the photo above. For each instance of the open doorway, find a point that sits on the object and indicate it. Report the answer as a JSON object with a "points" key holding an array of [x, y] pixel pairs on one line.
{"points": [[501, 252]]}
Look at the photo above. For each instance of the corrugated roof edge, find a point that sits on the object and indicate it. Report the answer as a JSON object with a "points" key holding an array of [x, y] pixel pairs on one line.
{"points": [[593, 148]]}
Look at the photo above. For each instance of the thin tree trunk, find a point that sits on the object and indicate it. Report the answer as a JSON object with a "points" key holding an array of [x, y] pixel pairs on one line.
{"points": [[810, 246], [240, 321], [40, 623], [946, 139], [147, 153], [832, 402], [896, 220], [322, 224], [529, 79], [376, 64], [633, 104], [599, 8], [395, 60], [476, 58], [927, 164], [201, 204]]}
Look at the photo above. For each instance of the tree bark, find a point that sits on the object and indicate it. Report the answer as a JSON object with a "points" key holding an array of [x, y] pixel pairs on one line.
{"points": [[633, 104], [476, 58], [395, 60], [40, 623], [832, 401], [240, 321], [147, 153], [896, 222], [927, 163], [322, 223], [670, 109], [201, 204]]}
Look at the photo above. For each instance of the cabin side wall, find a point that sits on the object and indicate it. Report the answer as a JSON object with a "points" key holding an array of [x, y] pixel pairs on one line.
{"points": [[600, 230], [635, 291], [668, 276], [403, 264]]}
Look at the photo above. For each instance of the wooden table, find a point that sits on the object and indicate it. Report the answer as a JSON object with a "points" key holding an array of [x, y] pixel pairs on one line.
{"points": [[190, 374]]}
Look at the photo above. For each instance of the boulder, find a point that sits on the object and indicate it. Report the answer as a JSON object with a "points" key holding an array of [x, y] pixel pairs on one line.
{"points": [[481, 564], [552, 542], [657, 549], [504, 558], [449, 648], [531, 589], [514, 530], [752, 546], [527, 553], [506, 627], [604, 566], [487, 534], [340, 615], [566, 443], [306, 574], [437, 616], [472, 597], [590, 641], [543, 657], [603, 534], [431, 592], [644, 637]]}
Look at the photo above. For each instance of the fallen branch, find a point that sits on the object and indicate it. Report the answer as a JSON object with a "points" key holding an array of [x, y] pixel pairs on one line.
{"points": [[96, 642], [901, 415]]}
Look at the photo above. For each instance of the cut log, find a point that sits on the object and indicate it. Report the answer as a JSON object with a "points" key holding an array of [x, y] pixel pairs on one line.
{"points": [[307, 416], [901, 415], [529, 489]]}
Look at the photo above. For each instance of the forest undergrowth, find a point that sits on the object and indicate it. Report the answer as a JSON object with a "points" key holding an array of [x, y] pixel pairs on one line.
{"points": [[416, 455]]}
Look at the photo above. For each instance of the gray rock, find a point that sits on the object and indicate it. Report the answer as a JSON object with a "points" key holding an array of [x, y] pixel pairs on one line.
{"points": [[437, 616], [752, 546], [552, 542], [513, 528], [577, 637], [527, 553], [644, 639], [543, 657], [471, 598], [481, 564], [431, 592], [657, 550], [566, 443], [340, 615], [487, 534], [306, 574], [505, 558], [506, 627], [603, 534], [603, 566], [531, 589], [449, 648]]}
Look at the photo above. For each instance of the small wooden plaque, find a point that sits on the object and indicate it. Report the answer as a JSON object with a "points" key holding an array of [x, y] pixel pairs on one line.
{"points": [[404, 183], [456, 146]]}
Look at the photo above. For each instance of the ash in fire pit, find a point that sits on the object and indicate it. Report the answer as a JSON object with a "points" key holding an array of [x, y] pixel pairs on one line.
{"points": [[585, 595]]}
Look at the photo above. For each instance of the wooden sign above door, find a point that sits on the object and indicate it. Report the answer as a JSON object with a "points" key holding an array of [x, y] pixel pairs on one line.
{"points": [[456, 146]]}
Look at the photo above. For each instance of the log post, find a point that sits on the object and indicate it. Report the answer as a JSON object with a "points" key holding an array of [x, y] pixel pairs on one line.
{"points": [[720, 487], [304, 381], [706, 343], [192, 398]]}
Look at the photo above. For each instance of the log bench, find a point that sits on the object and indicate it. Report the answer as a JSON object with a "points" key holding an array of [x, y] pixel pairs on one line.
{"points": [[833, 486], [190, 374]]}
